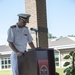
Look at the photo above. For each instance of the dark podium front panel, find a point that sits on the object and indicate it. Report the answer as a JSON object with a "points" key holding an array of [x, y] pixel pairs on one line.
{"points": [[37, 62]]}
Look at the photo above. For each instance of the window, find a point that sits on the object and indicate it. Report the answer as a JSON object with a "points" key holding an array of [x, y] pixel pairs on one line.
{"points": [[5, 63], [57, 59]]}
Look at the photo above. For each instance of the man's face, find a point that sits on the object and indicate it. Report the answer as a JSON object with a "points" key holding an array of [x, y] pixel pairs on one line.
{"points": [[23, 21]]}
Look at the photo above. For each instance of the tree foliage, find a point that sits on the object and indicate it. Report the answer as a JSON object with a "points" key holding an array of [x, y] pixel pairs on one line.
{"points": [[70, 70], [50, 36]]}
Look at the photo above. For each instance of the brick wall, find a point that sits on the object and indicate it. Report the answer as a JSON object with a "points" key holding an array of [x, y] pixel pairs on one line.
{"points": [[37, 10]]}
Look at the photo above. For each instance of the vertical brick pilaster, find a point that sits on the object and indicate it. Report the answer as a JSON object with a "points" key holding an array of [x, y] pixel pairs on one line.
{"points": [[37, 9]]}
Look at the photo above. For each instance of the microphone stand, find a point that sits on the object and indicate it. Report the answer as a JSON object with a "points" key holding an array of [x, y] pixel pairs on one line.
{"points": [[36, 36], [36, 39]]}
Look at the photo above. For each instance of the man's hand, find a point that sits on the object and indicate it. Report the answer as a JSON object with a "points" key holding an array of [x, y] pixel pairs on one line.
{"points": [[20, 54]]}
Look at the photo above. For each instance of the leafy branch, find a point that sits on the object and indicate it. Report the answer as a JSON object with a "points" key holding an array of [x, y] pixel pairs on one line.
{"points": [[70, 66]]}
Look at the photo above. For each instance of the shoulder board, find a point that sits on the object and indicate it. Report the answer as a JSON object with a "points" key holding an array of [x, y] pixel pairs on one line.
{"points": [[13, 26]]}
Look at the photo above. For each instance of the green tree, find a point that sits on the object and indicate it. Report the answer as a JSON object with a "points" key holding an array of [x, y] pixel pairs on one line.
{"points": [[71, 35], [70, 66], [50, 36]]}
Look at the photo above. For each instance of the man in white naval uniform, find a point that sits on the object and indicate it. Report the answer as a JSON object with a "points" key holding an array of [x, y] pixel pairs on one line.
{"points": [[18, 36]]}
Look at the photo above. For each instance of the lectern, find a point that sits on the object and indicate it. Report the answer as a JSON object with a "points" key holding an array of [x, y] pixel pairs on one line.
{"points": [[37, 62]]}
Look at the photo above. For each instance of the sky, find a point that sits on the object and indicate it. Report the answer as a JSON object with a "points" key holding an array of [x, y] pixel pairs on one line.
{"points": [[60, 17]]}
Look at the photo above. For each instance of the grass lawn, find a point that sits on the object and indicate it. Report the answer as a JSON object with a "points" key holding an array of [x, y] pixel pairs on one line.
{"points": [[5, 72], [60, 71], [8, 72]]}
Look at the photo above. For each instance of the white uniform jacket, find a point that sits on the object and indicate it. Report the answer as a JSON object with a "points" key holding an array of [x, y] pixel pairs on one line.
{"points": [[19, 37]]}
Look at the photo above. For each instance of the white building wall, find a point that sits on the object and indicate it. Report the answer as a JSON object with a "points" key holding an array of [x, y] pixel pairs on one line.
{"points": [[0, 63]]}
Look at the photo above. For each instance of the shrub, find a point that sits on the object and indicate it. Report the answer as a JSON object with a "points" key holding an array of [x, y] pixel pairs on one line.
{"points": [[70, 66]]}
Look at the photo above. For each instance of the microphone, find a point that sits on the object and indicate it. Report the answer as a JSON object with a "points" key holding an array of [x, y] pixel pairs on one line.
{"points": [[33, 29]]}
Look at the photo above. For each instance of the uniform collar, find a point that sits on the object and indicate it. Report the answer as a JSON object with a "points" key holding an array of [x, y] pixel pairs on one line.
{"points": [[17, 28]]}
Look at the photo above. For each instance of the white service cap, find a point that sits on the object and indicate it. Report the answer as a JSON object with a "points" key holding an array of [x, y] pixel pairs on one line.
{"points": [[24, 15]]}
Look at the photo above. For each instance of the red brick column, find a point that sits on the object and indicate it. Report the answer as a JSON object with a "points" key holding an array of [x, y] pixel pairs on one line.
{"points": [[37, 10]]}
